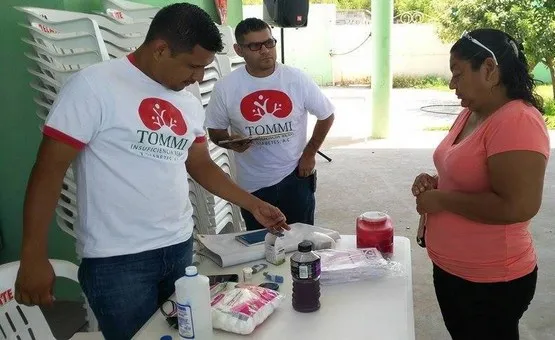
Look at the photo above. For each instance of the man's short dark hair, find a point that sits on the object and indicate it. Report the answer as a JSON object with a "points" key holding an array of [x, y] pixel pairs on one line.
{"points": [[249, 25], [183, 26]]}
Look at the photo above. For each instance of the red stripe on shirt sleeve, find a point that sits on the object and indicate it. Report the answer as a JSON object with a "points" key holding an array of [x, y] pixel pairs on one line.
{"points": [[62, 137], [132, 59], [200, 139]]}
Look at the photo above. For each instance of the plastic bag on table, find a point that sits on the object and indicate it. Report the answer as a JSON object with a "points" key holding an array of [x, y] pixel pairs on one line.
{"points": [[240, 308], [348, 265]]}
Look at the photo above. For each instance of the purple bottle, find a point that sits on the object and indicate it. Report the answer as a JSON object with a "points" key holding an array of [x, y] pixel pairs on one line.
{"points": [[305, 270]]}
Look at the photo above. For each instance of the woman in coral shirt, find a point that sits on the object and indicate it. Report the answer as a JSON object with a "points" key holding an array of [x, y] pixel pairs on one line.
{"points": [[489, 183]]}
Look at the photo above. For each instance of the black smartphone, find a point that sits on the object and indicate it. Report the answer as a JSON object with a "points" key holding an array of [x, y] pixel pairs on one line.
{"points": [[313, 181], [213, 279], [253, 238]]}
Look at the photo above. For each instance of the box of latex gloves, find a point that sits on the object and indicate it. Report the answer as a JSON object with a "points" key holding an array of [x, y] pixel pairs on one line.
{"points": [[274, 248]]}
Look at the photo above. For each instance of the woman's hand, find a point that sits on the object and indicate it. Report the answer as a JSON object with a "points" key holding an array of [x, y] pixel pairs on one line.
{"points": [[429, 202], [424, 182]]}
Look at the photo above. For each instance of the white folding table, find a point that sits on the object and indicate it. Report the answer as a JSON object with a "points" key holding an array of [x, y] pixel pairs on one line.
{"points": [[373, 309]]}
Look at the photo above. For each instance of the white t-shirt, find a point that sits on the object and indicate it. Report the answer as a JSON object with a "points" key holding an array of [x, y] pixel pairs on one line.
{"points": [[134, 136], [258, 106]]}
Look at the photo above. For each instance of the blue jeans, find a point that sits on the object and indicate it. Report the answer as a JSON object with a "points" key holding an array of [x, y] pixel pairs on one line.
{"points": [[125, 291], [294, 196]]}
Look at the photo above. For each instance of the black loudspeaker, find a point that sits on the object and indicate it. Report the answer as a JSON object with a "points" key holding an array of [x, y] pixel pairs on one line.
{"points": [[286, 13]]}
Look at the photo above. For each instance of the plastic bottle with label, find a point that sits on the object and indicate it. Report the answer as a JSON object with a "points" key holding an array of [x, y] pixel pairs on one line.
{"points": [[305, 270], [194, 312]]}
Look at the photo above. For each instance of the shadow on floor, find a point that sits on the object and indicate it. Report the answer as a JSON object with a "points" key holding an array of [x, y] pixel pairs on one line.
{"points": [[65, 318]]}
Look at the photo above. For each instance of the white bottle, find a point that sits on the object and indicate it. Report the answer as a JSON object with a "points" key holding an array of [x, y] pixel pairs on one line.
{"points": [[194, 311]]}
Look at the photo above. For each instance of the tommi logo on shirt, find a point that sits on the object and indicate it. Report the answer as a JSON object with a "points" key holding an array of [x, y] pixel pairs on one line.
{"points": [[269, 128], [265, 106], [154, 138], [158, 115], [266, 103]]}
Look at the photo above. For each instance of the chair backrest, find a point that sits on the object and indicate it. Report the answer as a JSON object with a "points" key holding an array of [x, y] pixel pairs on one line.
{"points": [[21, 322], [47, 17], [131, 9], [228, 38]]}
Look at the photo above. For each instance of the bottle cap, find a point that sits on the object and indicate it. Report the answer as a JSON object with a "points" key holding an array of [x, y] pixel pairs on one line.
{"points": [[247, 270], [166, 337], [191, 271], [374, 216], [305, 246]]}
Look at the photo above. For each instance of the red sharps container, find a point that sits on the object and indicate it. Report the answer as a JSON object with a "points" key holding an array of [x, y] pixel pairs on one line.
{"points": [[375, 230]]}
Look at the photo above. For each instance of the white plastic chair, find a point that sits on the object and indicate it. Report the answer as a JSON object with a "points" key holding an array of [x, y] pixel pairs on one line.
{"points": [[116, 52], [48, 17], [224, 64], [134, 10], [48, 94], [80, 59], [227, 38], [121, 41], [68, 25], [195, 90], [68, 43], [237, 62], [48, 83], [19, 321], [42, 114]]}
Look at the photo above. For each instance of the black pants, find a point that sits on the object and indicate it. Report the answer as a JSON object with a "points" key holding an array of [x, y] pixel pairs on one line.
{"points": [[294, 196], [483, 311]]}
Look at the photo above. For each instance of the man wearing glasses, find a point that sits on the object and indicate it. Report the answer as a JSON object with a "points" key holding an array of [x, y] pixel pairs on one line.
{"points": [[265, 106]]}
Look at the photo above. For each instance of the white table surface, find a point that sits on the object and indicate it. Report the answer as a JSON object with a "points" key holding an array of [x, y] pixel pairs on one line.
{"points": [[380, 309]]}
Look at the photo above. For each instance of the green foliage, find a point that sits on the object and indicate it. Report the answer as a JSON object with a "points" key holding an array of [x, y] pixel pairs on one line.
{"points": [[530, 21], [426, 7], [347, 4], [342, 4], [401, 6], [549, 107], [419, 82]]}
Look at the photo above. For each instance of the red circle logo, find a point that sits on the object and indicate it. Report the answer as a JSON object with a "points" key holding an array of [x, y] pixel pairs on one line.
{"points": [[156, 113], [266, 102]]}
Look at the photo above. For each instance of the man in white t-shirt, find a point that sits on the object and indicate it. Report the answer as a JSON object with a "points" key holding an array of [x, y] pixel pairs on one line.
{"points": [[133, 134], [268, 98]]}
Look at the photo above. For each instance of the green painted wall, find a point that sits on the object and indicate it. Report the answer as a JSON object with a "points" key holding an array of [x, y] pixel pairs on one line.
{"points": [[20, 133], [82, 5], [20, 138], [541, 72]]}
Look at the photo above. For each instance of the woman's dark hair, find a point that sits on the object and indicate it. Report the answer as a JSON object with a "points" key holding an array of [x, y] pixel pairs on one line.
{"points": [[515, 74]]}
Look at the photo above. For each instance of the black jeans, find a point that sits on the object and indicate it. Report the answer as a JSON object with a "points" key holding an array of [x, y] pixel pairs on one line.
{"points": [[483, 311], [294, 196]]}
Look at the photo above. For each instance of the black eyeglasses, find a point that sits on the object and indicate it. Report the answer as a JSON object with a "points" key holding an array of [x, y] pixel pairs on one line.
{"points": [[256, 46]]}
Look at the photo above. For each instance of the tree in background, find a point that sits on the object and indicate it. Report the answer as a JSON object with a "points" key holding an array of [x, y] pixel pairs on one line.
{"points": [[530, 21], [401, 6], [425, 7]]}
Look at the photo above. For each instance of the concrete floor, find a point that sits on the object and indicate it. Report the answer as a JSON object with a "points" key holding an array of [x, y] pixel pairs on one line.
{"points": [[378, 174]]}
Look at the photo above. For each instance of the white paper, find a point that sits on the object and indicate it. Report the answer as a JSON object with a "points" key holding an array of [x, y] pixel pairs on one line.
{"points": [[226, 251]]}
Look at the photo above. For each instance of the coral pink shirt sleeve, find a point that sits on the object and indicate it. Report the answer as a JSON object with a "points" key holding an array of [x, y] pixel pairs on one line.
{"points": [[517, 130]]}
